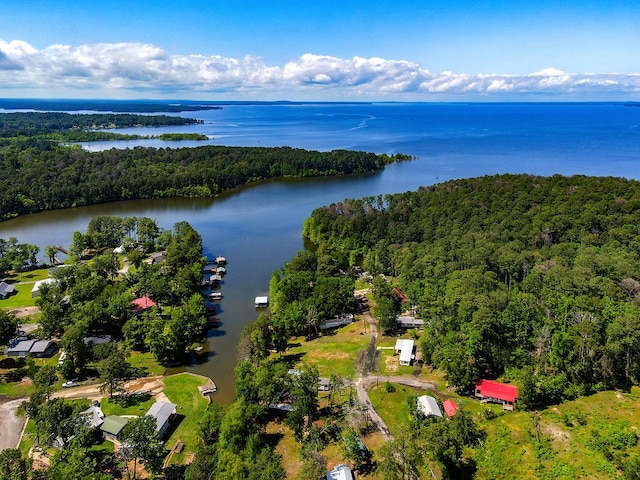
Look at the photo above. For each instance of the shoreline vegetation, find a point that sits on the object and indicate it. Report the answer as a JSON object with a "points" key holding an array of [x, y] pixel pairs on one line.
{"points": [[43, 172]]}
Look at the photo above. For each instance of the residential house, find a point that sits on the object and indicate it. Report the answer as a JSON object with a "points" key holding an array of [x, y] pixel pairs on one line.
{"points": [[43, 349], [429, 406], [404, 347], [163, 413], [496, 392], [324, 384], [20, 348], [340, 472], [409, 321], [35, 291], [142, 304]]}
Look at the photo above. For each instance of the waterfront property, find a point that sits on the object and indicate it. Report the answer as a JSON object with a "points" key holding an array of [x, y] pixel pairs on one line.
{"points": [[262, 302], [35, 291], [338, 321], [163, 413]]}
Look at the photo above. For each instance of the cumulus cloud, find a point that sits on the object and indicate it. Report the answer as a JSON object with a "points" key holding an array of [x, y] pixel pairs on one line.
{"points": [[117, 69]]}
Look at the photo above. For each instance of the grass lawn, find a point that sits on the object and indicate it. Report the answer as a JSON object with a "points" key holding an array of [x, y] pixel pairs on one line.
{"points": [[334, 353], [146, 364], [23, 283], [28, 438], [182, 389], [134, 405]]}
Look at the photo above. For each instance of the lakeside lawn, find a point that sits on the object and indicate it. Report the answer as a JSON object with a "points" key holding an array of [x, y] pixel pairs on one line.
{"points": [[182, 389]]}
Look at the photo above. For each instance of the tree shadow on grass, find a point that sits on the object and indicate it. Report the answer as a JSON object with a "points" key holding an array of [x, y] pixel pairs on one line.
{"points": [[131, 399], [292, 358]]}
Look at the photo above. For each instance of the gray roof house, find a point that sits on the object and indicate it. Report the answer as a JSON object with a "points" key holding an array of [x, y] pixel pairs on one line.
{"points": [[43, 349], [20, 349], [163, 412], [6, 290]]}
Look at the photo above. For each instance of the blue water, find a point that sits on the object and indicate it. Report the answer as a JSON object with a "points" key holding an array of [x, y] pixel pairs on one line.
{"points": [[451, 140], [258, 228]]}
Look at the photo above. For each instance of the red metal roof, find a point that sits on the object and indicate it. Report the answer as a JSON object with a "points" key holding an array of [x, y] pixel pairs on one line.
{"points": [[143, 303], [501, 391], [450, 407]]}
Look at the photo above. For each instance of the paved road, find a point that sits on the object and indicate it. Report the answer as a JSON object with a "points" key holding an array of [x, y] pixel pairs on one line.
{"points": [[10, 425]]}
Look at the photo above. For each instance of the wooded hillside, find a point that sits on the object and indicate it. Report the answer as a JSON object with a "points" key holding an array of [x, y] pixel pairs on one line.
{"points": [[535, 280]]}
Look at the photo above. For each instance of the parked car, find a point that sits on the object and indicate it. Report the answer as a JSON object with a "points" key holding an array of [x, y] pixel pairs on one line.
{"points": [[70, 383], [63, 355]]}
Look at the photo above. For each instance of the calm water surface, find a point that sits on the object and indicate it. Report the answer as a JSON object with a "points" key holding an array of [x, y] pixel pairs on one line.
{"points": [[258, 228]]}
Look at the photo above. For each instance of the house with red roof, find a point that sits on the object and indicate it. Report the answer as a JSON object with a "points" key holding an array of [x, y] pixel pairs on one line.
{"points": [[450, 408], [400, 295], [496, 392], [142, 304]]}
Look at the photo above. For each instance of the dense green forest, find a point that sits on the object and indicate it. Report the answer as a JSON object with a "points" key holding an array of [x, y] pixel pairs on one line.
{"points": [[30, 123], [36, 180], [42, 173], [535, 280]]}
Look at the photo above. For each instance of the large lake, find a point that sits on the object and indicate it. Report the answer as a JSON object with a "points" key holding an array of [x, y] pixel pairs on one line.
{"points": [[258, 228]]}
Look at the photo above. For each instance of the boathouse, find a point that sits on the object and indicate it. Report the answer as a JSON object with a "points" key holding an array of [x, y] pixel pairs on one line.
{"points": [[262, 302]]}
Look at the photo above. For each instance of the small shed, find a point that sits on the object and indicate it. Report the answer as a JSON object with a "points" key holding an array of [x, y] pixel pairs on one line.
{"points": [[324, 384], [6, 290], [113, 426], [163, 413], [450, 408], [262, 302], [429, 406]]}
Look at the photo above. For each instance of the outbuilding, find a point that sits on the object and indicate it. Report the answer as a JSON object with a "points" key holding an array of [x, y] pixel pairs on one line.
{"points": [[450, 408], [262, 302], [496, 392], [6, 290], [428, 406], [113, 426], [163, 413]]}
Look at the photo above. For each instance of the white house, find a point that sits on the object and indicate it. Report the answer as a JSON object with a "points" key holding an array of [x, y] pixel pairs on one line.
{"points": [[340, 472], [429, 406], [404, 347], [163, 413], [35, 291]]}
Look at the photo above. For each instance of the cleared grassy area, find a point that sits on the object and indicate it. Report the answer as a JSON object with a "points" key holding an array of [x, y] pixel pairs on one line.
{"points": [[146, 364], [334, 353], [23, 283], [182, 389], [133, 405], [28, 438]]}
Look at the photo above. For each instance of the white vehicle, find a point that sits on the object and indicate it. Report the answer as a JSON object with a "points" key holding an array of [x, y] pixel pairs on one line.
{"points": [[70, 383], [63, 355]]}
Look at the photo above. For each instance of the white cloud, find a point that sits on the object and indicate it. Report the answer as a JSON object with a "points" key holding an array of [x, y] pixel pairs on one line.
{"points": [[125, 69]]}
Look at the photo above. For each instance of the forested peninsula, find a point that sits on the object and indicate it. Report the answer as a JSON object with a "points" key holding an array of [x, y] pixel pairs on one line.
{"points": [[529, 279], [42, 173]]}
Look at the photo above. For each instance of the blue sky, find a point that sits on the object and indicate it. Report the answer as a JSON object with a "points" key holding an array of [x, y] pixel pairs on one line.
{"points": [[410, 50]]}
